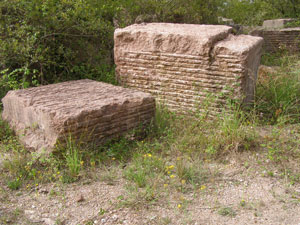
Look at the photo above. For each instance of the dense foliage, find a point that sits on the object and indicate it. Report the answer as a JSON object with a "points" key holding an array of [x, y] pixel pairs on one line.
{"points": [[254, 12], [51, 40]]}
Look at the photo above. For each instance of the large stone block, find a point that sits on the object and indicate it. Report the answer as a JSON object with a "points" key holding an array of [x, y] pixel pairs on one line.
{"points": [[95, 111], [181, 64]]}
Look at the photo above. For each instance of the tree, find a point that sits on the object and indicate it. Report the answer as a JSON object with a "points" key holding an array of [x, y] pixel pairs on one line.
{"points": [[286, 8]]}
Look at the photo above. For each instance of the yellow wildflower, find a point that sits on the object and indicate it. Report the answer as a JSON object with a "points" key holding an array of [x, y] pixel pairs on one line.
{"points": [[179, 206], [172, 176], [149, 155], [183, 182], [165, 185], [81, 163], [171, 167], [202, 187]]}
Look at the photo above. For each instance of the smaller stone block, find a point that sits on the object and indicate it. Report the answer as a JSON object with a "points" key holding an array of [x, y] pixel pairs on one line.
{"points": [[44, 116], [276, 24], [280, 39]]}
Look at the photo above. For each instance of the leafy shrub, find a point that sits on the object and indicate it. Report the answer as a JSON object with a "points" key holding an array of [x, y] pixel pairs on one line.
{"points": [[47, 41], [175, 11], [248, 12]]}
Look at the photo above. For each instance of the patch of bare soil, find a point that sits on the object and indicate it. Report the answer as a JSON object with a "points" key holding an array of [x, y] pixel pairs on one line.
{"points": [[241, 195]]}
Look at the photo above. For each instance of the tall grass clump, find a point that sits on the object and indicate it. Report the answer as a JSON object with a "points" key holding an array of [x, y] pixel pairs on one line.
{"points": [[73, 157], [278, 93], [5, 131], [213, 137]]}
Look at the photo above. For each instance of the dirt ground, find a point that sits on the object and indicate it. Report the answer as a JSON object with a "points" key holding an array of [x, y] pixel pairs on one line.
{"points": [[239, 195]]}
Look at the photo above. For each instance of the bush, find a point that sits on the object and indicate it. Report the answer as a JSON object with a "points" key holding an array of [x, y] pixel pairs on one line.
{"points": [[248, 12], [53, 40], [174, 11]]}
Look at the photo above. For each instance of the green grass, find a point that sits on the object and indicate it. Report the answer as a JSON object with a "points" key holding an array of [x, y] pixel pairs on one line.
{"points": [[278, 94], [5, 132], [14, 184], [144, 169], [73, 158]]}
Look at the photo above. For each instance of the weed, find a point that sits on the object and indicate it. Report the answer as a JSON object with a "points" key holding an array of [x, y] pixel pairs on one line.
{"points": [[163, 221], [137, 176], [139, 198], [242, 203], [89, 222], [110, 175], [73, 157], [226, 211], [190, 172], [14, 184], [5, 132], [102, 212], [59, 221], [144, 169], [16, 164], [116, 149]]}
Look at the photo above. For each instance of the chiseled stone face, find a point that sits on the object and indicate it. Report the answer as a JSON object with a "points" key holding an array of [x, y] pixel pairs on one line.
{"points": [[86, 109], [182, 64], [280, 39]]}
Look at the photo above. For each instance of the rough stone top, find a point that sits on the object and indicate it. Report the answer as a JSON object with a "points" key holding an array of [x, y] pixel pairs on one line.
{"points": [[71, 98], [170, 38], [238, 45], [276, 24], [202, 31], [291, 29]]}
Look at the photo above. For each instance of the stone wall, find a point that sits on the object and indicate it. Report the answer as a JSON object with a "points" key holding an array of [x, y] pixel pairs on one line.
{"points": [[286, 39], [182, 64], [86, 110]]}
